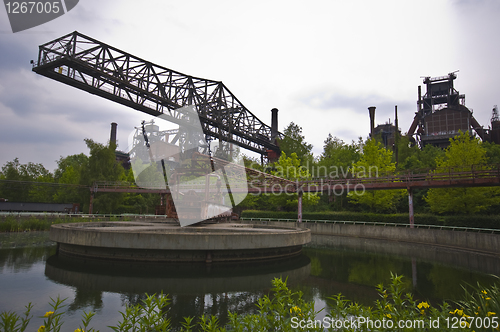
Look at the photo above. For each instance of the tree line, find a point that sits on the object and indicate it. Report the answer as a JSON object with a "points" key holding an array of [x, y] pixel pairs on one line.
{"points": [[74, 175], [370, 158], [71, 182]]}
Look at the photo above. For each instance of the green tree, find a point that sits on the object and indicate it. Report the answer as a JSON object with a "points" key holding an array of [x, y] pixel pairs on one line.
{"points": [[413, 158], [460, 156], [375, 161], [492, 152], [102, 166], [337, 157], [69, 174], [336, 161], [294, 142], [290, 168], [26, 191]]}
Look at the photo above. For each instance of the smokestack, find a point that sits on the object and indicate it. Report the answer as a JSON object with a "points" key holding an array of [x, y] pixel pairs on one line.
{"points": [[274, 123], [112, 137], [371, 109]]}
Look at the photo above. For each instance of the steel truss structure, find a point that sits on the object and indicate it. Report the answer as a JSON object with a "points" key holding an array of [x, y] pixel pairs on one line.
{"points": [[103, 70]]}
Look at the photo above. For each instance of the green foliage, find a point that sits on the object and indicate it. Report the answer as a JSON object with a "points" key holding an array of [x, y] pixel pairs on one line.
{"points": [[275, 312], [149, 315], [12, 322], [375, 161], [464, 154], [480, 301], [412, 158], [294, 142], [14, 170], [290, 168], [102, 166], [69, 171], [337, 157], [492, 152], [52, 319]]}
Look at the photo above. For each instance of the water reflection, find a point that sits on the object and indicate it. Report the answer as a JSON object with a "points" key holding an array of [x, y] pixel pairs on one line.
{"points": [[354, 266], [193, 288], [20, 251], [30, 273]]}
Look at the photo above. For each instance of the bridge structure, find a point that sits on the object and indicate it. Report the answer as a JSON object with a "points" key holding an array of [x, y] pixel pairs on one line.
{"points": [[103, 70], [263, 183], [451, 177]]}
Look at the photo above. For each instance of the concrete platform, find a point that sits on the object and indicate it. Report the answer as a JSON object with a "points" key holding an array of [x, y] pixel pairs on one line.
{"points": [[167, 242]]}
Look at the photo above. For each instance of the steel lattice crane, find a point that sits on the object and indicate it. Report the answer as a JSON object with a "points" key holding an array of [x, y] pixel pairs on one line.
{"points": [[103, 70]]}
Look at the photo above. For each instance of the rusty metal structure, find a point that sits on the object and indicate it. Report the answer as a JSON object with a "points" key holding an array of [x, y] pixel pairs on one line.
{"points": [[494, 132], [441, 113], [93, 66]]}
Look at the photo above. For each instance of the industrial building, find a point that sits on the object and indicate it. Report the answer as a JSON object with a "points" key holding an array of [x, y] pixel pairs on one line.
{"points": [[441, 115]]}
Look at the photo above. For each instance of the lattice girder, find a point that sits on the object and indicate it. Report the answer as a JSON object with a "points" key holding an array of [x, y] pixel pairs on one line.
{"points": [[103, 70]]}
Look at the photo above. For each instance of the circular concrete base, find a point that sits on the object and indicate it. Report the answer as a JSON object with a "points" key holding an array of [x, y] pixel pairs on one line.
{"points": [[167, 242]]}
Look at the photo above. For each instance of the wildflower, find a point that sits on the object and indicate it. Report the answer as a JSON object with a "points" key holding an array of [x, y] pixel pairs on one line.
{"points": [[41, 328], [491, 313], [48, 314], [295, 309], [457, 311], [424, 305], [488, 298], [388, 316], [484, 292], [422, 312]]}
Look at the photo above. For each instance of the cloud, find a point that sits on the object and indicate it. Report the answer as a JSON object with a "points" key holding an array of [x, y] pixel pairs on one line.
{"points": [[331, 100]]}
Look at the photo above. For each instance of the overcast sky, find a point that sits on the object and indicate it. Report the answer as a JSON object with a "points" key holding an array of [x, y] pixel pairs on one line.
{"points": [[321, 63]]}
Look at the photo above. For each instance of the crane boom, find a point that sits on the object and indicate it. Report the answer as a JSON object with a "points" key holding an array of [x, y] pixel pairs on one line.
{"points": [[90, 65]]}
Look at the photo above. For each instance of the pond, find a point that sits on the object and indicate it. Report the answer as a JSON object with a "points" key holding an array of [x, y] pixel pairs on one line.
{"points": [[31, 272]]}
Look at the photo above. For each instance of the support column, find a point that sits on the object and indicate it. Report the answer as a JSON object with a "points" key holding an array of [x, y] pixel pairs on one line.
{"points": [[91, 199], [410, 205], [299, 217]]}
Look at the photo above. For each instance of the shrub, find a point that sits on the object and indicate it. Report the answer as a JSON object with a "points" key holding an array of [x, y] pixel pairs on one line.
{"points": [[285, 310]]}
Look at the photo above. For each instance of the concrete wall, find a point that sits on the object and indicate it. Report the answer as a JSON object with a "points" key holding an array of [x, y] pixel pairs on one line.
{"points": [[471, 241]]}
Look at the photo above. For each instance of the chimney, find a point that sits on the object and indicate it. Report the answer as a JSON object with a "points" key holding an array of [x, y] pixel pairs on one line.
{"points": [[371, 109], [274, 123], [112, 137]]}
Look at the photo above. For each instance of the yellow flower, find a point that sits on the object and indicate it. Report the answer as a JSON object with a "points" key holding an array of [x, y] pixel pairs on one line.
{"points": [[424, 305], [41, 328], [78, 330], [422, 312], [388, 315], [491, 313], [488, 298], [295, 309], [484, 292], [48, 314], [459, 312]]}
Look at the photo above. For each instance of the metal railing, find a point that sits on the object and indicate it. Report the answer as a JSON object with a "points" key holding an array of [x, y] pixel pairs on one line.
{"points": [[375, 223]]}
